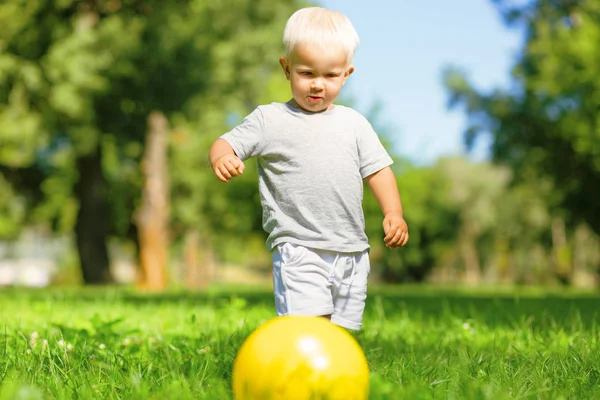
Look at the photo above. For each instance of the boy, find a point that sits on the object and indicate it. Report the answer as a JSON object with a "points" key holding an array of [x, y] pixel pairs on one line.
{"points": [[312, 158]]}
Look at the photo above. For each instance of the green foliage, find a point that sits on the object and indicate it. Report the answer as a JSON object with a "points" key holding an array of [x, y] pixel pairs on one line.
{"points": [[456, 205], [76, 78], [547, 123], [425, 342], [77, 81], [12, 210], [431, 220]]}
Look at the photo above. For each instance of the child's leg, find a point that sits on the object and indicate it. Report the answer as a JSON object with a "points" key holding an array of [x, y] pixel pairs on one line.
{"points": [[350, 290], [302, 282]]}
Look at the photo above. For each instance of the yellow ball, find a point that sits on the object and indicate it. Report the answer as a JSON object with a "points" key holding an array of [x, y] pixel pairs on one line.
{"points": [[300, 358]]}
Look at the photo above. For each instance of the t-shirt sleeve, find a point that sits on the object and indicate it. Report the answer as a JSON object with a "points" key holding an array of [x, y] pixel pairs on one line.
{"points": [[373, 156], [246, 138]]}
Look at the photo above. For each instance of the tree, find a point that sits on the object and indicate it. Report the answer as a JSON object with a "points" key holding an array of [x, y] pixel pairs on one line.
{"points": [[152, 218], [78, 80], [474, 191], [431, 219], [547, 124]]}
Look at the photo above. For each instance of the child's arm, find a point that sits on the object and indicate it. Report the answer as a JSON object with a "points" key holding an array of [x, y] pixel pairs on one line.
{"points": [[225, 163], [383, 185]]}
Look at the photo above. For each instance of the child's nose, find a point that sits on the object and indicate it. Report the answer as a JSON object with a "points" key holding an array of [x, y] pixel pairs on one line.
{"points": [[317, 84]]}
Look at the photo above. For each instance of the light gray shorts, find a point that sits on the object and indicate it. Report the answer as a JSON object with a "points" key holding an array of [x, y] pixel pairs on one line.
{"points": [[318, 282]]}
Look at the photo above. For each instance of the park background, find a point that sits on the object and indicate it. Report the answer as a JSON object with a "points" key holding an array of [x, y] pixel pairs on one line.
{"points": [[148, 273], [108, 109]]}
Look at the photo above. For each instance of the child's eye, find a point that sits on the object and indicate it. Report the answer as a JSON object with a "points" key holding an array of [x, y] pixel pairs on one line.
{"points": [[332, 75], [306, 73]]}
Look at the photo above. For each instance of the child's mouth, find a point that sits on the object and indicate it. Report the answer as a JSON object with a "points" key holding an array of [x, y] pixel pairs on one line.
{"points": [[314, 99]]}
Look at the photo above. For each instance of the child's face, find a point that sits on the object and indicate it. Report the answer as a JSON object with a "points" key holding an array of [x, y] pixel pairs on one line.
{"points": [[316, 75]]}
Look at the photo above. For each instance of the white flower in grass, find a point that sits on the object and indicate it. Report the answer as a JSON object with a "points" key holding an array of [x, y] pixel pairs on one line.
{"points": [[44, 344], [468, 328], [154, 343], [33, 339], [126, 342], [28, 351], [203, 350], [69, 347], [102, 346], [61, 343]]}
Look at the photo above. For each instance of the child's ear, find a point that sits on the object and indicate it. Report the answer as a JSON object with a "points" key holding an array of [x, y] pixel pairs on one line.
{"points": [[348, 72], [285, 66]]}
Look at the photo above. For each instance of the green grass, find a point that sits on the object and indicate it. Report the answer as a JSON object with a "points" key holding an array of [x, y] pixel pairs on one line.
{"points": [[421, 343]]}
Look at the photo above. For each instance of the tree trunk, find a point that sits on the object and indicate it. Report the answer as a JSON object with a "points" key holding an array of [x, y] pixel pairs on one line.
{"points": [[472, 270], [561, 251], [153, 215], [470, 257], [91, 228], [503, 261], [199, 260], [582, 277]]}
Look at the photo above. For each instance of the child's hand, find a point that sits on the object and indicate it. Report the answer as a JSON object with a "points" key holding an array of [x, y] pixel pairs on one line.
{"points": [[396, 230], [228, 166]]}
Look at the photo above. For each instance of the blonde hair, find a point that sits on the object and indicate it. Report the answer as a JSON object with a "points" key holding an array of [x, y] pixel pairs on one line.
{"points": [[322, 27]]}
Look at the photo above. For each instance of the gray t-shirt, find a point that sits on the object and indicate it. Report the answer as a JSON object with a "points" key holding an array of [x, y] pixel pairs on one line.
{"points": [[310, 173]]}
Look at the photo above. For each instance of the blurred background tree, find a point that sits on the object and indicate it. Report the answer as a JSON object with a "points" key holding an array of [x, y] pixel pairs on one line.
{"points": [[547, 123], [79, 79], [546, 126], [77, 82]]}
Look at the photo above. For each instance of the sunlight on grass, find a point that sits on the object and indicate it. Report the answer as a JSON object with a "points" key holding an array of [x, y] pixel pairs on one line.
{"points": [[110, 343]]}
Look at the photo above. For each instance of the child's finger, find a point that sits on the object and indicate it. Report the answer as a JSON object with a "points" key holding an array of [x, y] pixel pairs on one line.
{"points": [[400, 239], [224, 172], [241, 167], [389, 234], [390, 237], [232, 169], [397, 235], [220, 175], [405, 240]]}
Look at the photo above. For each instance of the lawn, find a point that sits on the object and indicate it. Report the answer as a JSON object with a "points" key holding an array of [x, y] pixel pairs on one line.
{"points": [[421, 343]]}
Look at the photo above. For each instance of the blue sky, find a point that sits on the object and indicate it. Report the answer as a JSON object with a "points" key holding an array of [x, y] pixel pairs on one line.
{"points": [[405, 44]]}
